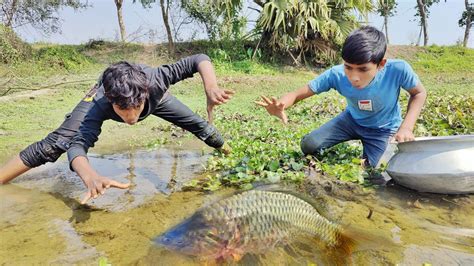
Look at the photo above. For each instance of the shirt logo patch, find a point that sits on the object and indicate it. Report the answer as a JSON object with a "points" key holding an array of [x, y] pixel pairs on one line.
{"points": [[365, 105]]}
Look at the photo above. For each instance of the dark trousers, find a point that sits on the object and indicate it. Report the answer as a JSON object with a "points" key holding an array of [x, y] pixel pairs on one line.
{"points": [[171, 109]]}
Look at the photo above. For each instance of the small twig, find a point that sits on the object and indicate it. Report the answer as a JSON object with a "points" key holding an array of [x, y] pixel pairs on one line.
{"points": [[6, 82], [370, 214], [450, 201], [47, 86], [254, 9], [256, 48], [294, 59]]}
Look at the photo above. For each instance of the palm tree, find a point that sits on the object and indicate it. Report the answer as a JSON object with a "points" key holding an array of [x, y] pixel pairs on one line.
{"points": [[317, 27]]}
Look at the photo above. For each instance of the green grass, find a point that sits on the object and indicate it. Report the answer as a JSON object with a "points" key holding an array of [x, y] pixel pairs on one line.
{"points": [[263, 148], [445, 59]]}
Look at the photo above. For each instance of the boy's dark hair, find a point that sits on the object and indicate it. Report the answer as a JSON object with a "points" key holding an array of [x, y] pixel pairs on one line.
{"points": [[364, 45], [125, 85]]}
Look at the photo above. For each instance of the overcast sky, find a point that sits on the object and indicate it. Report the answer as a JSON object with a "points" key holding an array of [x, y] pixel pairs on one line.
{"points": [[100, 22]]}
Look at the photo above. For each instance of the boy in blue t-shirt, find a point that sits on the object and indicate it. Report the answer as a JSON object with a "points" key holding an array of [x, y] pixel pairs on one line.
{"points": [[371, 85]]}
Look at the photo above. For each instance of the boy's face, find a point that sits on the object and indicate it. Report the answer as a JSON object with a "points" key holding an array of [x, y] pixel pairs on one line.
{"points": [[129, 115], [361, 75]]}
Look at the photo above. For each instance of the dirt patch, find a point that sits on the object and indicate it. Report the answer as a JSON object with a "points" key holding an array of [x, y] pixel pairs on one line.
{"points": [[22, 95], [406, 52]]}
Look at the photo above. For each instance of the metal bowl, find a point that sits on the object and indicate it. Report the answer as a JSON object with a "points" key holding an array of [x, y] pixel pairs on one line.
{"points": [[435, 164]]}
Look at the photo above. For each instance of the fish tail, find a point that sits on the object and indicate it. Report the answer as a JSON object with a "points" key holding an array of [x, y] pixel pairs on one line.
{"points": [[346, 244], [340, 252], [352, 239]]}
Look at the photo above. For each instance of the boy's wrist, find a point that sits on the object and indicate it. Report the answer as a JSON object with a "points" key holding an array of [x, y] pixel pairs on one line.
{"points": [[406, 128]]}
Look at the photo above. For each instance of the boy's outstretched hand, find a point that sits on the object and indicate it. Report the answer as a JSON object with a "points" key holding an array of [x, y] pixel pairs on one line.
{"points": [[274, 107], [215, 97], [97, 185]]}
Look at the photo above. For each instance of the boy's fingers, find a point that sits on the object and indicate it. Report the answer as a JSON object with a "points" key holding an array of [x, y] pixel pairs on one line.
{"points": [[261, 104], [225, 96], [231, 92], [274, 100], [284, 118], [116, 184], [218, 101], [86, 197], [266, 99], [94, 193]]}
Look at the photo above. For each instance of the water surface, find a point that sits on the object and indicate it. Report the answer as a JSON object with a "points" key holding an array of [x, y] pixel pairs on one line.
{"points": [[41, 221]]}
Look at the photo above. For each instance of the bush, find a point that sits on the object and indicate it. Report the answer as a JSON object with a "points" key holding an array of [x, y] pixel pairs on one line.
{"points": [[62, 57], [12, 48]]}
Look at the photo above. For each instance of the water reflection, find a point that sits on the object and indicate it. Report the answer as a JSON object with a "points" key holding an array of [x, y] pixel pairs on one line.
{"points": [[150, 172]]}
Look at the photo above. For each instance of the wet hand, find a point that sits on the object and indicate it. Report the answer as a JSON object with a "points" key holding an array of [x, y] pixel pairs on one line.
{"points": [[404, 135], [97, 185], [274, 107], [216, 96]]}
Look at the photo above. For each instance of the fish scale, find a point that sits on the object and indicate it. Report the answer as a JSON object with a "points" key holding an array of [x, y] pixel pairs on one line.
{"points": [[264, 208], [252, 221]]}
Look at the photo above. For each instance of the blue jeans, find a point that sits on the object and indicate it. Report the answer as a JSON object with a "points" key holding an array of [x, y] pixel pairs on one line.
{"points": [[342, 128]]}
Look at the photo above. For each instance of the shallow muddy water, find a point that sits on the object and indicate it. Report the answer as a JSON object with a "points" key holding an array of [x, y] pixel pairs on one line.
{"points": [[41, 221]]}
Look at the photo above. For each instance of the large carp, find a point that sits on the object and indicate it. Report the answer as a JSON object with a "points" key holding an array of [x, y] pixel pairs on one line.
{"points": [[254, 222]]}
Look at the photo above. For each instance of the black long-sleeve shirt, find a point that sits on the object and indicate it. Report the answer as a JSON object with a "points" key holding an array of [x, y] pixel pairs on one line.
{"points": [[159, 80]]}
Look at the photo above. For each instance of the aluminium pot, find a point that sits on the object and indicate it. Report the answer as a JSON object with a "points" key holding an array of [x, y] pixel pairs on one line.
{"points": [[435, 164]]}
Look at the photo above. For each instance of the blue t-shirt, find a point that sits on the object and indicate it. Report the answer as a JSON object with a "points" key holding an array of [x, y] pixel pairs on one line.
{"points": [[376, 105]]}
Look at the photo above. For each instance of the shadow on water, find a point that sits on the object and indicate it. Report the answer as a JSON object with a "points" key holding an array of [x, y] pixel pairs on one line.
{"points": [[42, 222], [80, 213]]}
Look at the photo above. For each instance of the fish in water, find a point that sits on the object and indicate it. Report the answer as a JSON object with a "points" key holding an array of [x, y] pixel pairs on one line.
{"points": [[252, 222]]}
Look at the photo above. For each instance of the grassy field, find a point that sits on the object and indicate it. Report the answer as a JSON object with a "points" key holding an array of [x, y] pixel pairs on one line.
{"points": [[48, 87]]}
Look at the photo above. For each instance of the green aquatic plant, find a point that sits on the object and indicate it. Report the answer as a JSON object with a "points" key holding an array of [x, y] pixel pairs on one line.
{"points": [[268, 152], [103, 262]]}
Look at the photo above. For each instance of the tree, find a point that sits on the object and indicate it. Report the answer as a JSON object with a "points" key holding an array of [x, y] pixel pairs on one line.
{"points": [[41, 15], [317, 27], [423, 12], [118, 5], [179, 19], [165, 8], [220, 21], [386, 8], [467, 20]]}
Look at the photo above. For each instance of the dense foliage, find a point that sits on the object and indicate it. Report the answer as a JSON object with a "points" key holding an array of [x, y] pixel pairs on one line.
{"points": [[12, 48]]}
